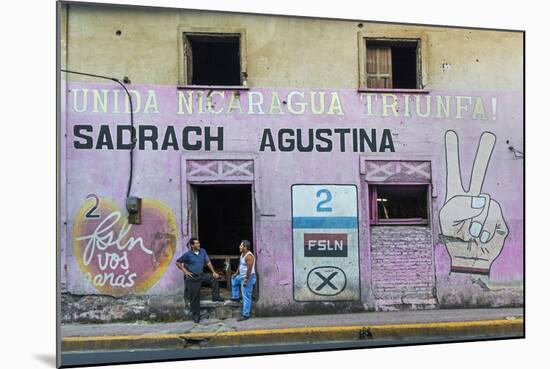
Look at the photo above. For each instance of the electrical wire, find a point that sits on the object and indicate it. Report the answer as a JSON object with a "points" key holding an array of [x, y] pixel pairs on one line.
{"points": [[133, 131]]}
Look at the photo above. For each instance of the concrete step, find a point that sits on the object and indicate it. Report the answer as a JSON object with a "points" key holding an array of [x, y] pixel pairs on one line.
{"points": [[217, 309]]}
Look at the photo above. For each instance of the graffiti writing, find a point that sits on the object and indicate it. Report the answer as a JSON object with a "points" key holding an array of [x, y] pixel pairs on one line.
{"points": [[115, 256], [104, 237]]}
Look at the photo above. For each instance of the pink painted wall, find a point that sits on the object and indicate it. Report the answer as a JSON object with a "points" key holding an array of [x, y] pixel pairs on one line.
{"points": [[158, 173]]}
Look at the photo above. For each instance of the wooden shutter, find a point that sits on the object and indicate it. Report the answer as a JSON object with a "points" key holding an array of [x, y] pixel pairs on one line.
{"points": [[189, 59], [373, 206], [379, 67], [193, 211]]}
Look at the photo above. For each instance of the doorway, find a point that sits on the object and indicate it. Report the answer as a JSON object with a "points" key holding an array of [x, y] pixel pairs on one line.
{"points": [[223, 217]]}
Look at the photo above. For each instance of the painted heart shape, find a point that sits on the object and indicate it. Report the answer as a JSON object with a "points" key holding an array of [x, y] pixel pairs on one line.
{"points": [[119, 258]]}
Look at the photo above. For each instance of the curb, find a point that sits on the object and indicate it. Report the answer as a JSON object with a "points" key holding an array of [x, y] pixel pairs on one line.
{"points": [[484, 328]]}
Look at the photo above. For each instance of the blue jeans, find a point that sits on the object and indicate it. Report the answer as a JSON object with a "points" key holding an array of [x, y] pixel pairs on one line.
{"points": [[237, 288]]}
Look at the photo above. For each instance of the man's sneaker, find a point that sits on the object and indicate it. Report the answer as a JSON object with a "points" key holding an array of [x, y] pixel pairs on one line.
{"points": [[197, 319], [220, 299], [235, 299], [242, 318]]}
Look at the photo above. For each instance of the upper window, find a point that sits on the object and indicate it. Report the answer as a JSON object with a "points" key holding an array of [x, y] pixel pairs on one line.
{"points": [[213, 59], [398, 204], [392, 64]]}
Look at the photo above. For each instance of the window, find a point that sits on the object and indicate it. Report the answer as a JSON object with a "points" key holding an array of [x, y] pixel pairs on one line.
{"points": [[213, 58], [398, 204], [392, 64]]}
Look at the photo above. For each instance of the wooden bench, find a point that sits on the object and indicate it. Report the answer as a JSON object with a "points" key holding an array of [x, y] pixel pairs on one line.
{"points": [[227, 267], [227, 271]]}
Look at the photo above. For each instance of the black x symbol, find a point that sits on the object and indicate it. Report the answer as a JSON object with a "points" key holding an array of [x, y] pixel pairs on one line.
{"points": [[326, 281]]}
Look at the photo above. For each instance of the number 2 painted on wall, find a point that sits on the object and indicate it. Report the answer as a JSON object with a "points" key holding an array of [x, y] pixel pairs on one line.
{"points": [[90, 214], [322, 206]]}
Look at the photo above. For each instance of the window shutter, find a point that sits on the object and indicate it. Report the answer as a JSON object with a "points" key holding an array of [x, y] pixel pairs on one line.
{"points": [[373, 204], [189, 60], [379, 67]]}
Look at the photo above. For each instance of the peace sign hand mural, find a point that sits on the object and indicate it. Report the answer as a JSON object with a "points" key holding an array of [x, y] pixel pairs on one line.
{"points": [[471, 222]]}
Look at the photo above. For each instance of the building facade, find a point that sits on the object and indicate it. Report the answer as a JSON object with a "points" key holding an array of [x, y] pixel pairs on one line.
{"points": [[373, 166]]}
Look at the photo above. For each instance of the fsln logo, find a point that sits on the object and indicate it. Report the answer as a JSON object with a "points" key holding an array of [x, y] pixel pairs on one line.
{"points": [[325, 244]]}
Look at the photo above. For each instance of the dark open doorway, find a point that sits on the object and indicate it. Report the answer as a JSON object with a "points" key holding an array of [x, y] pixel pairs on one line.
{"points": [[224, 219]]}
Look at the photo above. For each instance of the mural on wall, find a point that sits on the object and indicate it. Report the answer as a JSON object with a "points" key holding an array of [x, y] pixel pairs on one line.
{"points": [[179, 140], [119, 258], [325, 242], [472, 223]]}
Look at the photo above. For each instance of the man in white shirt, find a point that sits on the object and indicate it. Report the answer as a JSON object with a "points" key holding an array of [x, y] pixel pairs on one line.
{"points": [[243, 280]]}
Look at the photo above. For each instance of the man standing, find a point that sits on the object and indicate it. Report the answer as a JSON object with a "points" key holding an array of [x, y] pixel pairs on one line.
{"points": [[244, 278], [192, 264]]}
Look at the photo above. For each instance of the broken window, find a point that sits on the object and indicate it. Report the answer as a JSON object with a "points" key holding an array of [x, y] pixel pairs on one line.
{"points": [[392, 64], [213, 59], [398, 204]]}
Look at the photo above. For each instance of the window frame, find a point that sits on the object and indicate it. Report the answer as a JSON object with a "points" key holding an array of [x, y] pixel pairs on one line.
{"points": [[373, 205], [393, 37], [184, 46]]}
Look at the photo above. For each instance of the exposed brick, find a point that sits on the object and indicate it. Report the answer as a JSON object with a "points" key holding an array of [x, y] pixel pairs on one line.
{"points": [[401, 265]]}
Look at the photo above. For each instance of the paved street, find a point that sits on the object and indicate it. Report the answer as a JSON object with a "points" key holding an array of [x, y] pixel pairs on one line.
{"points": [[138, 342]]}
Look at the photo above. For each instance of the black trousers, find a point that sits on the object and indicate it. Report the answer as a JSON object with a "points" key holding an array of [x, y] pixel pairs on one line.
{"points": [[193, 290]]}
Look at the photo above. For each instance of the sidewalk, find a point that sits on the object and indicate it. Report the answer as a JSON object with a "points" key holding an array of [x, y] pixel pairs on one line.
{"points": [[310, 328]]}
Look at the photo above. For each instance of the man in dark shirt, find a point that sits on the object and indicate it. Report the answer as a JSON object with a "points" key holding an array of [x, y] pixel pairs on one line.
{"points": [[191, 263]]}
